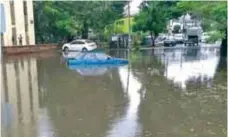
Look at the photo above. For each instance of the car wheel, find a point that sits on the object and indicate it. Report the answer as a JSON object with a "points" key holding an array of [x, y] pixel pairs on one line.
{"points": [[84, 49], [66, 49]]}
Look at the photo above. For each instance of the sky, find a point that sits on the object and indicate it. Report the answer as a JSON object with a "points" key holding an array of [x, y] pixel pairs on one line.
{"points": [[134, 6]]}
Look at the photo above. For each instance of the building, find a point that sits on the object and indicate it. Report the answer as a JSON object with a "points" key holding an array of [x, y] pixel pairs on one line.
{"points": [[19, 20]]}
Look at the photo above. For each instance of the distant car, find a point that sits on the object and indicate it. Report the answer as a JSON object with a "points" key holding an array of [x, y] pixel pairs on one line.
{"points": [[169, 41], [160, 40], [179, 38], [79, 45]]}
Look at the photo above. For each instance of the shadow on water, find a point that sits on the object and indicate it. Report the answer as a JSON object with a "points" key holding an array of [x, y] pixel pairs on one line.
{"points": [[162, 92]]}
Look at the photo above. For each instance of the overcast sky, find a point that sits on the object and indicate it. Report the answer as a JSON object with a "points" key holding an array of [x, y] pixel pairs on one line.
{"points": [[134, 7]]}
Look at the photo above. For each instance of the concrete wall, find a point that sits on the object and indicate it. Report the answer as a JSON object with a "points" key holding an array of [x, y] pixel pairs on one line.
{"points": [[12, 50]]}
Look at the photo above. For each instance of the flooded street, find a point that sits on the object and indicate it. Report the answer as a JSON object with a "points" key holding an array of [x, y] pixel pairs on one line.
{"points": [[160, 93]]}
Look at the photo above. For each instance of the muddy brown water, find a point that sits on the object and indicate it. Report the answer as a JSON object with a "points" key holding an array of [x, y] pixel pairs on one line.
{"points": [[160, 93]]}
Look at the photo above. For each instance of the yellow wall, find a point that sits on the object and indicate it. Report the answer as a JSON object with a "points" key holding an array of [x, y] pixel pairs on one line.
{"points": [[118, 27]]}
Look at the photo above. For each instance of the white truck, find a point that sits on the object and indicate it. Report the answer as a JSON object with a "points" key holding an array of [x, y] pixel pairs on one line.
{"points": [[193, 35]]}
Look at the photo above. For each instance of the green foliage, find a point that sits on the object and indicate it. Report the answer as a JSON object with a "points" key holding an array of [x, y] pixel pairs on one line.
{"points": [[214, 36], [176, 29], [55, 20], [154, 15], [136, 38], [151, 18], [214, 12]]}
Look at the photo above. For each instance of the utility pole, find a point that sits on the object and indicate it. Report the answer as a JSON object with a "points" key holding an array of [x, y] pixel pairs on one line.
{"points": [[129, 46], [129, 26]]}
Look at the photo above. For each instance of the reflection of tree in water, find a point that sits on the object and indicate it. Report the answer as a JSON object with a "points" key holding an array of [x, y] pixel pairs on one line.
{"points": [[165, 112], [81, 106], [169, 113]]}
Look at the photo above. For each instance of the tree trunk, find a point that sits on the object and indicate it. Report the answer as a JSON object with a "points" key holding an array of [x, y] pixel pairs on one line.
{"points": [[152, 39], [223, 47], [85, 30]]}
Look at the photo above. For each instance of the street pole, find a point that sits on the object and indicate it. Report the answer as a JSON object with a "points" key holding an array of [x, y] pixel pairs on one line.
{"points": [[129, 26], [129, 46]]}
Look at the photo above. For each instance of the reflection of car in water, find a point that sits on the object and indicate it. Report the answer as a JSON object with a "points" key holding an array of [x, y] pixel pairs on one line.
{"points": [[92, 70]]}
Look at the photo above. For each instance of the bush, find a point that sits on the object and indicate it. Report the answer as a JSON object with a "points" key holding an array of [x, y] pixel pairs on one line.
{"points": [[176, 29]]}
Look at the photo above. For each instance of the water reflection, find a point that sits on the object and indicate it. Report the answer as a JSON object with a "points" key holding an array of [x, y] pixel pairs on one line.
{"points": [[45, 127], [128, 125], [43, 98], [92, 70], [183, 66], [20, 103]]}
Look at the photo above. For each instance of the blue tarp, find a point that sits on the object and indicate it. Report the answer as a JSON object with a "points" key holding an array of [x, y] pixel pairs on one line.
{"points": [[3, 19]]}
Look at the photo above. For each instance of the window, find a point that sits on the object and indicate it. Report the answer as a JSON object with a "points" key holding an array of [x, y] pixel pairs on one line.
{"points": [[12, 12], [2, 39], [14, 36], [25, 7], [26, 22], [77, 42], [88, 41]]}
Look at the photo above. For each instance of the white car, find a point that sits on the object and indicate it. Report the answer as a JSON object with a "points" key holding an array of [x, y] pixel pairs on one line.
{"points": [[79, 45], [179, 38]]}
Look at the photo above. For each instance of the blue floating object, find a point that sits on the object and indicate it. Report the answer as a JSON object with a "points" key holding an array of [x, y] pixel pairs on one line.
{"points": [[93, 59], [97, 62]]}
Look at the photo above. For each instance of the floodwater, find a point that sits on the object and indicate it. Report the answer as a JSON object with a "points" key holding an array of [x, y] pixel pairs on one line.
{"points": [[160, 93]]}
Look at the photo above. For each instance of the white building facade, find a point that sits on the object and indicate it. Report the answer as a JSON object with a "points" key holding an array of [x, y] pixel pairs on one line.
{"points": [[19, 21]]}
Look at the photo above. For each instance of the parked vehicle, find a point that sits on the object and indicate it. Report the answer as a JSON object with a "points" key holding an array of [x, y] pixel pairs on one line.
{"points": [[169, 41], [193, 35], [179, 38], [94, 58], [79, 45], [159, 41]]}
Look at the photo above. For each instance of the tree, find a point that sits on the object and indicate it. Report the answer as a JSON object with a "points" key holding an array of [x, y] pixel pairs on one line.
{"points": [[152, 18], [154, 15], [215, 12], [55, 20], [176, 29]]}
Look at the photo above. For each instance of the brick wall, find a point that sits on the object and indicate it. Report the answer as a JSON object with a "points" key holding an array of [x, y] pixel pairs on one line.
{"points": [[28, 49]]}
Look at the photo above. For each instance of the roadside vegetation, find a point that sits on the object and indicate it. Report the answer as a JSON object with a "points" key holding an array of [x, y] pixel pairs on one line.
{"points": [[57, 21]]}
